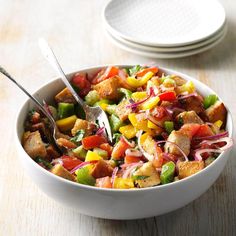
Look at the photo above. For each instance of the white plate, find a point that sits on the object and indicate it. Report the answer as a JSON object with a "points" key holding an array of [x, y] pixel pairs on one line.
{"points": [[166, 55], [169, 49], [164, 22]]}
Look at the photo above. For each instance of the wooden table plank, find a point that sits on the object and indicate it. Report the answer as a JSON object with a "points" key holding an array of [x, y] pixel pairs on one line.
{"points": [[74, 28]]}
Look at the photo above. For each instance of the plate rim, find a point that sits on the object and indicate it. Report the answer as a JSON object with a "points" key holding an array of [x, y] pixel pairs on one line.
{"points": [[160, 44]]}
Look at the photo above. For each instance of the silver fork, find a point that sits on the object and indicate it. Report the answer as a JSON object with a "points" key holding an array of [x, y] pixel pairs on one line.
{"points": [[52, 122], [93, 114]]}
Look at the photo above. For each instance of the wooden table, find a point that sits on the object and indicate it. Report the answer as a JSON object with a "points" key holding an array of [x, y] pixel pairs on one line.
{"points": [[74, 28]]}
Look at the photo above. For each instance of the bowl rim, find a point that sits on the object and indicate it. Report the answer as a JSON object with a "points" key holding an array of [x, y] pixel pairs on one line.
{"points": [[88, 187]]}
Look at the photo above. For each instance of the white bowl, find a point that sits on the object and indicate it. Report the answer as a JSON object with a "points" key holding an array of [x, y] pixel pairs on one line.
{"points": [[113, 203]]}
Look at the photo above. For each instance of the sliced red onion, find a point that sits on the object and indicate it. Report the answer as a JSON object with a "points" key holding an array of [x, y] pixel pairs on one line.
{"points": [[147, 155], [82, 165], [100, 131], [132, 167], [136, 104], [198, 153], [216, 136], [167, 157], [131, 144], [113, 176], [180, 97], [171, 110], [228, 140], [153, 120], [166, 141], [133, 152]]}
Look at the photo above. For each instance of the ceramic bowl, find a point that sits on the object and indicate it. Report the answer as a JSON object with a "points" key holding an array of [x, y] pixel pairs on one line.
{"points": [[113, 203]]}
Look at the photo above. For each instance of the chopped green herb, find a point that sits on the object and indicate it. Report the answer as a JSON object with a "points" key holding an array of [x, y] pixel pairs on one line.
{"points": [[78, 136], [140, 177], [116, 137], [134, 70], [45, 163]]}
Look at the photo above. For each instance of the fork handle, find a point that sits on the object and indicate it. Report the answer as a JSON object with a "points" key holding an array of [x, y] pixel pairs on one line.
{"points": [[50, 56], [40, 106]]}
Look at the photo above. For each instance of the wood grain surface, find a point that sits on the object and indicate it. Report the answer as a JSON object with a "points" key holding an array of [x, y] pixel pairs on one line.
{"points": [[74, 28]]}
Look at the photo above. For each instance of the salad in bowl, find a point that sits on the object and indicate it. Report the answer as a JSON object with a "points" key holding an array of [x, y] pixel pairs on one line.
{"points": [[163, 130]]}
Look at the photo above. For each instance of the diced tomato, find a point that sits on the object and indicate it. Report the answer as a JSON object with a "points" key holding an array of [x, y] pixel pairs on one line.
{"points": [[159, 112], [203, 131], [158, 159], [190, 129], [120, 148], [104, 182], [70, 162], [167, 96], [93, 141], [82, 83], [131, 159], [107, 147], [111, 71], [141, 73]]}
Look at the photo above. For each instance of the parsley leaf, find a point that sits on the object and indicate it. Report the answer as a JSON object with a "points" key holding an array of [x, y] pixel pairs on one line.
{"points": [[78, 136]]}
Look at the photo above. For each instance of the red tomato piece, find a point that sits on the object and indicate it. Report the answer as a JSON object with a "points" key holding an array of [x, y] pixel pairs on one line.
{"points": [[110, 71], [93, 141], [70, 162], [120, 148], [204, 131], [131, 159], [167, 96], [190, 129], [107, 147], [142, 72], [104, 182], [81, 82]]}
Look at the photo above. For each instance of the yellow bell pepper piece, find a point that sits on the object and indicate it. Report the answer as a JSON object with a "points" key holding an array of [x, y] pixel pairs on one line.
{"points": [[104, 106], [139, 124], [128, 131], [150, 103], [187, 87], [92, 156], [121, 183], [137, 96], [218, 123], [66, 123], [151, 125], [135, 83]]}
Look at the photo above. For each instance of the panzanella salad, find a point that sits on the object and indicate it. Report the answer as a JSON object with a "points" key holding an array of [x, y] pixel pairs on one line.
{"points": [[163, 130]]}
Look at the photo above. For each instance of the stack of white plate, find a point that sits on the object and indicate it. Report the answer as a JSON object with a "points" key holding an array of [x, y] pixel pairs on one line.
{"points": [[165, 28]]}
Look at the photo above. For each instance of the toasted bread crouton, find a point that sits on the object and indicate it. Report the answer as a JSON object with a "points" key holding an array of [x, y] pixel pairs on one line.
{"points": [[149, 145], [101, 169], [65, 96], [87, 126], [146, 176], [178, 80], [122, 111], [59, 170], [180, 139], [187, 117], [52, 152], [108, 89], [188, 168], [193, 103], [217, 112], [33, 145]]}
